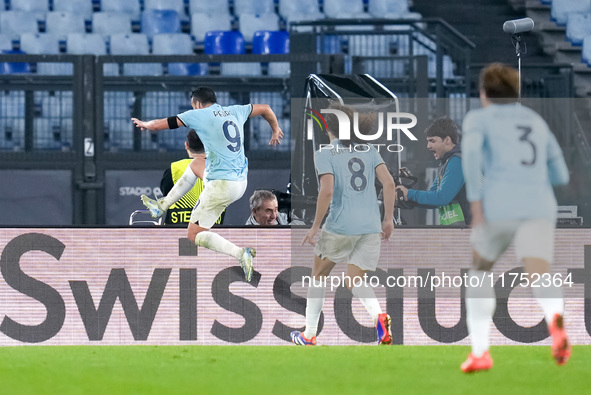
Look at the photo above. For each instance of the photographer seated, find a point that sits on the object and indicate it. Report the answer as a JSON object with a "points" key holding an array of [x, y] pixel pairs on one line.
{"points": [[264, 209], [448, 192]]}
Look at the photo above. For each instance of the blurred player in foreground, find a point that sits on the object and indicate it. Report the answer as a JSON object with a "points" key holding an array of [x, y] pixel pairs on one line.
{"points": [[221, 131], [351, 233], [521, 161]]}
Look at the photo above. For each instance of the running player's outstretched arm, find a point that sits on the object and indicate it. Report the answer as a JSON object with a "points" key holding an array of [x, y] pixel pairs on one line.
{"points": [[158, 124], [268, 115], [324, 198], [389, 196]]}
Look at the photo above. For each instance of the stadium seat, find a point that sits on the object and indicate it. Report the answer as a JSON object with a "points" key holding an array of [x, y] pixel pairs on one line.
{"points": [[15, 23], [81, 7], [392, 9], [561, 9], [49, 44], [224, 42], [93, 44], [61, 23], [253, 7], [229, 43], [82, 43], [160, 21], [109, 23], [14, 67], [211, 8], [290, 7], [12, 131], [130, 7], [298, 11], [5, 42], [272, 42], [176, 44], [578, 26], [134, 44], [586, 53], [177, 5], [344, 9], [202, 23], [250, 23], [37, 7]]}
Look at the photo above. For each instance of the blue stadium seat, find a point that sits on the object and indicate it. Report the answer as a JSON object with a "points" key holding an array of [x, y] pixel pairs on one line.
{"points": [[82, 7], [272, 42], [224, 42], [393, 9], [202, 23], [562, 8], [160, 21], [250, 23], [177, 5], [229, 43], [177, 44], [109, 23], [134, 44], [49, 44], [16, 22], [578, 26], [253, 7], [208, 7], [62, 22], [12, 67], [130, 7]]}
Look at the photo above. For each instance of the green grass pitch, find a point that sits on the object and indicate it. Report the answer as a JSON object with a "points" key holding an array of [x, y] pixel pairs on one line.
{"points": [[285, 370]]}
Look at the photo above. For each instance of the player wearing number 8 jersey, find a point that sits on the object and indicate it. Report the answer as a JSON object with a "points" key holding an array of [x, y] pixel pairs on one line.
{"points": [[221, 131], [521, 161], [351, 234]]}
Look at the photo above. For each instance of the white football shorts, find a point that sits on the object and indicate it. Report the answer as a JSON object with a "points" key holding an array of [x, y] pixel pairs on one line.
{"points": [[362, 251], [532, 238], [213, 200]]}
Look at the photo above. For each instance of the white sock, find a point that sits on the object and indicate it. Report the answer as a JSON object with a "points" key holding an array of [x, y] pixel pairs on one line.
{"points": [[368, 299], [180, 188], [217, 243], [480, 307], [314, 303], [550, 300]]}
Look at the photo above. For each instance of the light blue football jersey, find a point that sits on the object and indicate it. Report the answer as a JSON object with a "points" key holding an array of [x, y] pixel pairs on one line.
{"points": [[520, 159], [221, 129], [354, 207]]}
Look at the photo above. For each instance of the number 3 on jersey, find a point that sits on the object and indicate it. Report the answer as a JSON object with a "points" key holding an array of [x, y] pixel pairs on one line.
{"points": [[234, 140], [358, 179], [526, 130]]}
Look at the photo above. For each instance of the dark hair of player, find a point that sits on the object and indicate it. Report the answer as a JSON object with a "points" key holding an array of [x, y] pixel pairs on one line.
{"points": [[443, 127], [204, 95], [500, 83], [194, 142]]}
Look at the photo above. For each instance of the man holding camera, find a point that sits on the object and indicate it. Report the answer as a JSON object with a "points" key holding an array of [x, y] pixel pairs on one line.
{"points": [[447, 193]]}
